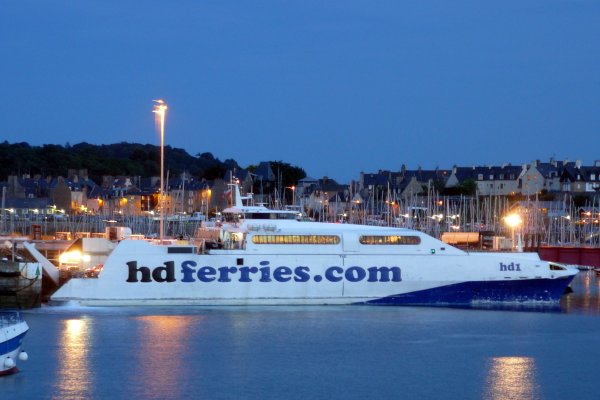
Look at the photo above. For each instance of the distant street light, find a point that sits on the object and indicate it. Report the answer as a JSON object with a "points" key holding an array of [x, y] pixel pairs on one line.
{"points": [[160, 109], [293, 189]]}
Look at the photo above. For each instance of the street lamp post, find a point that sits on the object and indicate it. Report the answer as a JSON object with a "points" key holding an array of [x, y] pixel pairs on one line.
{"points": [[160, 109], [207, 194], [293, 189]]}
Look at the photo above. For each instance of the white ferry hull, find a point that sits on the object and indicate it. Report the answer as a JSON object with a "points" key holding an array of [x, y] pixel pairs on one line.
{"points": [[139, 273]]}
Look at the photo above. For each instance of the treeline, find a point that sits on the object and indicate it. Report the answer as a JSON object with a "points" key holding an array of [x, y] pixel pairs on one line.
{"points": [[130, 159]]}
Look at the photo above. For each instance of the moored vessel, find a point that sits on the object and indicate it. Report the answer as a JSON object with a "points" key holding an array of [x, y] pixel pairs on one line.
{"points": [[12, 331], [259, 256]]}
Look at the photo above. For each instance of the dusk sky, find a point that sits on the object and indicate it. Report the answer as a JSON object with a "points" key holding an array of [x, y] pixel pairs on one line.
{"points": [[335, 87]]}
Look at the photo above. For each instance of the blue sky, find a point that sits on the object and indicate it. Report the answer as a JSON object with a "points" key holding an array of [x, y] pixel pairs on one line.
{"points": [[336, 87]]}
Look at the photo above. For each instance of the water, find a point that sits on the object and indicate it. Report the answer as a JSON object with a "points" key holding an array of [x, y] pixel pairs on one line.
{"points": [[350, 352]]}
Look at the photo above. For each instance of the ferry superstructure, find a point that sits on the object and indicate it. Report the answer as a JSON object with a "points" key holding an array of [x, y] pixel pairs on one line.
{"points": [[266, 257]]}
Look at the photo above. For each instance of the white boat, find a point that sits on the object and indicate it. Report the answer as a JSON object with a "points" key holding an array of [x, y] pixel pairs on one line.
{"points": [[267, 257], [12, 332]]}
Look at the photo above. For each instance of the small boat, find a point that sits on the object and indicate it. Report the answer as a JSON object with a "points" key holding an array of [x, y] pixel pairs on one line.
{"points": [[12, 331], [259, 256]]}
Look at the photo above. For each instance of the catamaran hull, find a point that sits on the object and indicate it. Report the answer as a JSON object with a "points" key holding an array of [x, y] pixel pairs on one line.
{"points": [[535, 291], [532, 292], [142, 274]]}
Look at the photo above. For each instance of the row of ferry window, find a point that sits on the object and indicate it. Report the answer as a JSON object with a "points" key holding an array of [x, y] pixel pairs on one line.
{"points": [[332, 239]]}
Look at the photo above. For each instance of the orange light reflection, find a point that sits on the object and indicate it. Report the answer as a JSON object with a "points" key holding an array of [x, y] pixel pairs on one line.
{"points": [[163, 345], [512, 378], [74, 378]]}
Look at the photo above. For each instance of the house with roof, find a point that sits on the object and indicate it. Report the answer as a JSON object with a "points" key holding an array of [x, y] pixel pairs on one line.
{"points": [[97, 198], [572, 178], [242, 176], [490, 180], [264, 172], [419, 181], [550, 172], [404, 182], [576, 178], [327, 198], [539, 176], [17, 207], [67, 195], [27, 187], [185, 194], [380, 181]]}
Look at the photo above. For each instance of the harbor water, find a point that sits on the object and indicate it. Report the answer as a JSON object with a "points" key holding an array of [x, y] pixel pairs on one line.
{"points": [[329, 352]]}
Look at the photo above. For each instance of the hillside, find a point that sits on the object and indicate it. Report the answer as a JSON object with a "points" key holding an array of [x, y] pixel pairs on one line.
{"points": [[112, 159]]}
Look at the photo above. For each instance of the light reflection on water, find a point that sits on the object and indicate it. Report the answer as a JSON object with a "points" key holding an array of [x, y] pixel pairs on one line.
{"points": [[163, 346], [74, 375], [512, 378], [351, 352], [586, 294]]}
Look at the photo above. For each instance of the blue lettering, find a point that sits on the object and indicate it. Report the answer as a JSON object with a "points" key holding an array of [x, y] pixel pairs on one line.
{"points": [[382, 274], [282, 274], [191, 273], [207, 274], [355, 274], [187, 271], [301, 274], [245, 273], [265, 272], [224, 273], [510, 267], [331, 276]]}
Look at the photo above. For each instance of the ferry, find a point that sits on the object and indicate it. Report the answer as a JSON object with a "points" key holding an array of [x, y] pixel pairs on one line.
{"points": [[12, 332], [259, 256]]}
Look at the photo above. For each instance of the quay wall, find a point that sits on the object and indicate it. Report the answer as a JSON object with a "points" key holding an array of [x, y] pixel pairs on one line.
{"points": [[585, 256]]}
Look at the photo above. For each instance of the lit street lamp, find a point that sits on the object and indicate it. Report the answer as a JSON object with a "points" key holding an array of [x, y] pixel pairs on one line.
{"points": [[160, 109], [293, 188], [514, 220]]}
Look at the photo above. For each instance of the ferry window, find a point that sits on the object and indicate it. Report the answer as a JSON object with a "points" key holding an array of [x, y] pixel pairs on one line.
{"points": [[272, 215], [390, 239], [295, 239], [231, 217]]}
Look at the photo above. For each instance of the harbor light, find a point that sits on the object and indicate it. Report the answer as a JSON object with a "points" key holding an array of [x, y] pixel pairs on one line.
{"points": [[513, 221]]}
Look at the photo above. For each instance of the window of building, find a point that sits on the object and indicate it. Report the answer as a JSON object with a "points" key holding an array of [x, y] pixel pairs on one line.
{"points": [[295, 239], [389, 239]]}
